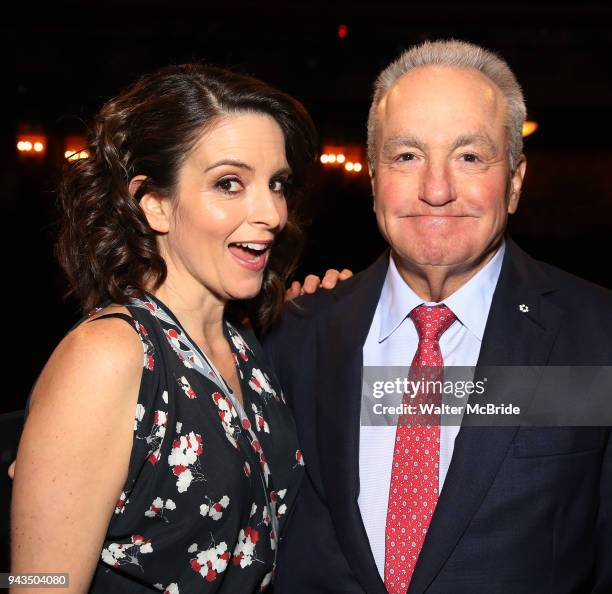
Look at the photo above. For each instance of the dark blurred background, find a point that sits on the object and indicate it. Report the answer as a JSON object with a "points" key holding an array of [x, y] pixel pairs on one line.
{"points": [[64, 60], [70, 58]]}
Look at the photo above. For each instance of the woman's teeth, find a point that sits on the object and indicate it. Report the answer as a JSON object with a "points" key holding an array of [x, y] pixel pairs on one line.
{"points": [[257, 247]]}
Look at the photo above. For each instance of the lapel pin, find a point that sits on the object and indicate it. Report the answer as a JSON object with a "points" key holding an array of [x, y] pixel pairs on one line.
{"points": [[523, 308]]}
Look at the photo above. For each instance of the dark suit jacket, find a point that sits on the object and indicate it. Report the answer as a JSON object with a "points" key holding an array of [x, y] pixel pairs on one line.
{"points": [[524, 510]]}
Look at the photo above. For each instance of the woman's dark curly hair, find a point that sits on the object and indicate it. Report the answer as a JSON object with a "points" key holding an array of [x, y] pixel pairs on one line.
{"points": [[105, 243]]}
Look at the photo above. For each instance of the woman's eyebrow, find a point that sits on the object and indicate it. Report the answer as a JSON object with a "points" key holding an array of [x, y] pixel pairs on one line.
{"points": [[282, 171], [231, 162]]}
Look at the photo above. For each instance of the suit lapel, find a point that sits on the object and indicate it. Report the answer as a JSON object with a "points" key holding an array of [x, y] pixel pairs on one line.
{"points": [[512, 337], [341, 336]]}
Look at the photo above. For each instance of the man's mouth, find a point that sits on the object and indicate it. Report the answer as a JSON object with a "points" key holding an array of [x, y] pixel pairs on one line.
{"points": [[439, 216]]}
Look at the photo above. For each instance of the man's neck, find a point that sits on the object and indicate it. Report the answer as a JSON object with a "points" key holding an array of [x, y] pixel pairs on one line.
{"points": [[436, 283]]}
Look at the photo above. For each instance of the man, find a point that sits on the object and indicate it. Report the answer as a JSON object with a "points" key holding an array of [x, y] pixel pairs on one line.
{"points": [[480, 509]]}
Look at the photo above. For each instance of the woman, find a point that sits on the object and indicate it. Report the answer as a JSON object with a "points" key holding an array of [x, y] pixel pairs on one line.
{"points": [[178, 224]]}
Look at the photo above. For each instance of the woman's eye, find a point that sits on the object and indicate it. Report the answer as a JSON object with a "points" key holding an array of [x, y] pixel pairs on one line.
{"points": [[278, 185], [229, 185]]}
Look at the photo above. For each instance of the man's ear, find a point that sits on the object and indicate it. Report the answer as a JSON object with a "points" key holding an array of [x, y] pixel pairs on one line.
{"points": [[516, 183], [155, 207], [372, 175]]}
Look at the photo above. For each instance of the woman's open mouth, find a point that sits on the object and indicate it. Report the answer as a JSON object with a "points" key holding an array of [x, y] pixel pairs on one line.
{"points": [[252, 255]]}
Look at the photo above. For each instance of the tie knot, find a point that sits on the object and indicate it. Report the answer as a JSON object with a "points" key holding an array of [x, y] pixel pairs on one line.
{"points": [[431, 321]]}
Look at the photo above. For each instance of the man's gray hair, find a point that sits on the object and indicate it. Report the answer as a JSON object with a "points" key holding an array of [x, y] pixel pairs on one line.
{"points": [[459, 54]]}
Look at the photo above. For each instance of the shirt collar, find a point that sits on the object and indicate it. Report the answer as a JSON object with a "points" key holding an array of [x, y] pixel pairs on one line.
{"points": [[470, 303]]}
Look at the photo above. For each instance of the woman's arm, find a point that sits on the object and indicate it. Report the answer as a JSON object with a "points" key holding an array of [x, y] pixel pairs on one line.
{"points": [[74, 452]]}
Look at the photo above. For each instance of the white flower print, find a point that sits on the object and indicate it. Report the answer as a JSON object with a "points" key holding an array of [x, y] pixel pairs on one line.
{"points": [[147, 346], [184, 460], [172, 588], [140, 411], [299, 458], [244, 552], [260, 423], [156, 436], [240, 345], [211, 562], [185, 355], [214, 510], [186, 362], [173, 338], [260, 382], [275, 498], [263, 462], [186, 387], [228, 416], [266, 581], [238, 367], [121, 503], [158, 507], [272, 539], [117, 554]]}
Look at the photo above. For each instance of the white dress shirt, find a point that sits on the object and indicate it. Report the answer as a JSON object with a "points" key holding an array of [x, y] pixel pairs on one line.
{"points": [[392, 341]]}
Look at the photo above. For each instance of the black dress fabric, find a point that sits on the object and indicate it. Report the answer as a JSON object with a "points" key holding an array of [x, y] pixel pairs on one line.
{"points": [[210, 483]]}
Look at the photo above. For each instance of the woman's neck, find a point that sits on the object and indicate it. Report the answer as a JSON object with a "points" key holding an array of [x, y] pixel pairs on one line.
{"points": [[198, 310]]}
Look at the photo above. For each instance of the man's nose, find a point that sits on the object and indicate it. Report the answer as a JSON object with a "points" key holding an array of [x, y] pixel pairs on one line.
{"points": [[437, 185]]}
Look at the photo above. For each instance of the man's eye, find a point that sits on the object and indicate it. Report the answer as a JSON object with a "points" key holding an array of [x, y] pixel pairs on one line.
{"points": [[406, 157], [470, 158], [229, 185]]}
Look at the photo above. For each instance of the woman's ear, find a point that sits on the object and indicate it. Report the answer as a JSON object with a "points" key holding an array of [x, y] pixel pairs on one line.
{"points": [[155, 207]]}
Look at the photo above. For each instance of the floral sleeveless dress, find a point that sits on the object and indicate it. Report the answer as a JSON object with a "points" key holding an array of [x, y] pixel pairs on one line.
{"points": [[210, 483]]}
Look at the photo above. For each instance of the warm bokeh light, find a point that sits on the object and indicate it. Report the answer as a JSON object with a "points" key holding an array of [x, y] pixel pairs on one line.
{"points": [[344, 156], [342, 31], [529, 127], [30, 145], [73, 155]]}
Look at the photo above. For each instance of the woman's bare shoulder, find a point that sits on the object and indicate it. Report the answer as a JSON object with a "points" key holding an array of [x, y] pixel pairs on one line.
{"points": [[98, 352]]}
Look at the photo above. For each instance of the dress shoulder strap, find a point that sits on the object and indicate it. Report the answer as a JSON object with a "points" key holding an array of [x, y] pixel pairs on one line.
{"points": [[129, 319], [123, 316]]}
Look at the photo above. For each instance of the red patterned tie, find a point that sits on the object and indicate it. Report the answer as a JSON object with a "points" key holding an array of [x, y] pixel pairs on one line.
{"points": [[413, 492]]}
